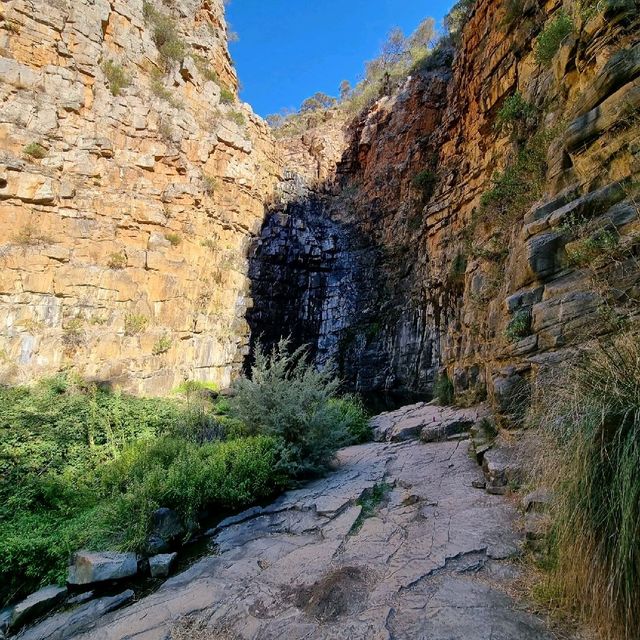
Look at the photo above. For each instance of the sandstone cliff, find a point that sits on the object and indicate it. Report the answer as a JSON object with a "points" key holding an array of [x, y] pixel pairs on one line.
{"points": [[482, 221], [131, 179], [141, 231]]}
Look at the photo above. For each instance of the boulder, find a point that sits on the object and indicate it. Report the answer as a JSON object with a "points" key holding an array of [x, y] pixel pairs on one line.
{"points": [[37, 604], [448, 428], [167, 524], [160, 565], [88, 567]]}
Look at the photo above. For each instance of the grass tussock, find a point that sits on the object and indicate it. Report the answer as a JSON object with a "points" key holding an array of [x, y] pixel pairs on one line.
{"points": [[589, 418]]}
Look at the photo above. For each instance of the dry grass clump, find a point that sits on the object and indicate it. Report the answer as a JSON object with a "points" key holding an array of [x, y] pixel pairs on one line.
{"points": [[588, 417]]}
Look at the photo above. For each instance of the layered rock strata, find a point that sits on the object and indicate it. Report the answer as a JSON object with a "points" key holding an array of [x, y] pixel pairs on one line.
{"points": [[131, 180]]}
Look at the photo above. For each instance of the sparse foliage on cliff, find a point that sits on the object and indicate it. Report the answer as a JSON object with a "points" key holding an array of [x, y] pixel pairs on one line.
{"points": [[116, 76], [519, 326], [165, 33], [458, 16], [552, 37], [516, 114], [443, 389], [35, 150]]}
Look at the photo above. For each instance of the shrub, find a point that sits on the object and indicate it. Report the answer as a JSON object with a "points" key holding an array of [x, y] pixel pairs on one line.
{"points": [[592, 249], [30, 236], [116, 76], [350, 411], [117, 260], [174, 238], [210, 184], [238, 117], [203, 66], [425, 182], [590, 410], [35, 150], [457, 17], [227, 96], [519, 326], [73, 333], [457, 270], [513, 11], [552, 37], [515, 113], [84, 467], [165, 34], [135, 323], [161, 346], [288, 399], [443, 389]]}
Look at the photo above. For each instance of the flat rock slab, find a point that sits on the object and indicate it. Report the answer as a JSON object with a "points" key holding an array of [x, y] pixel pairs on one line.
{"points": [[37, 604], [431, 422], [433, 561]]}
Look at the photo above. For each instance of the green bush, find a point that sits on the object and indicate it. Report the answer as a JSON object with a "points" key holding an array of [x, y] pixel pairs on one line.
{"points": [[552, 37], [425, 182], [289, 399], [35, 150], [165, 34], [135, 323], [591, 412], [519, 326], [443, 389], [515, 112], [350, 412], [227, 96], [116, 76]]}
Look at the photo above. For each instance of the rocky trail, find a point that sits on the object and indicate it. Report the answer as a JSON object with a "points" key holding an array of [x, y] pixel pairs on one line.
{"points": [[396, 543]]}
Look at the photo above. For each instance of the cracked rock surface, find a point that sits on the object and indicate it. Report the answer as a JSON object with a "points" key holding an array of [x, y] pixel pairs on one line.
{"points": [[432, 560]]}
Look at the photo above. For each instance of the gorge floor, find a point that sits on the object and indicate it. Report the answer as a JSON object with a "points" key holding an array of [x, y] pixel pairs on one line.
{"points": [[394, 544]]}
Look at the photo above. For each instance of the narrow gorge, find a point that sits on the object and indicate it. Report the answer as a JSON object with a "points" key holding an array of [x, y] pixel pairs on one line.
{"points": [[453, 244]]}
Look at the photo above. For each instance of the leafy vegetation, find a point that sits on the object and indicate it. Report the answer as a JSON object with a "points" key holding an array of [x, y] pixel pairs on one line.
{"points": [[552, 37], [443, 389], [162, 345], [116, 76], [165, 34], [370, 502], [35, 150], [458, 16], [84, 466], [593, 249], [590, 411], [425, 182], [519, 326], [515, 114], [117, 260], [227, 96], [290, 400], [135, 323], [173, 238]]}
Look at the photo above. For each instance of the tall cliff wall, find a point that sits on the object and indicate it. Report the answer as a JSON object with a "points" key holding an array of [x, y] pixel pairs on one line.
{"points": [[443, 241], [131, 180]]}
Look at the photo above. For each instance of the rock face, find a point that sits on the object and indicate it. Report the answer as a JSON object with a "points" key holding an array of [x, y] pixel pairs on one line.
{"points": [[89, 568], [432, 559], [413, 279], [130, 185]]}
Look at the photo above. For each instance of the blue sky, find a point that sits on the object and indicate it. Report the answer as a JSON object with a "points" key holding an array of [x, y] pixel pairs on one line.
{"points": [[289, 49]]}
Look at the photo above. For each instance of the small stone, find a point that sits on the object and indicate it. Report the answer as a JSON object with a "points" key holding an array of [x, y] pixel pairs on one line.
{"points": [[537, 500], [37, 604], [478, 484], [88, 567], [160, 565]]}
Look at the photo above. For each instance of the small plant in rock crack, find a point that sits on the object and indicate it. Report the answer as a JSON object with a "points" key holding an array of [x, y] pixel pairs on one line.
{"points": [[519, 326], [162, 345], [370, 501], [443, 389], [515, 115], [116, 76], [552, 37], [135, 323], [35, 150]]}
